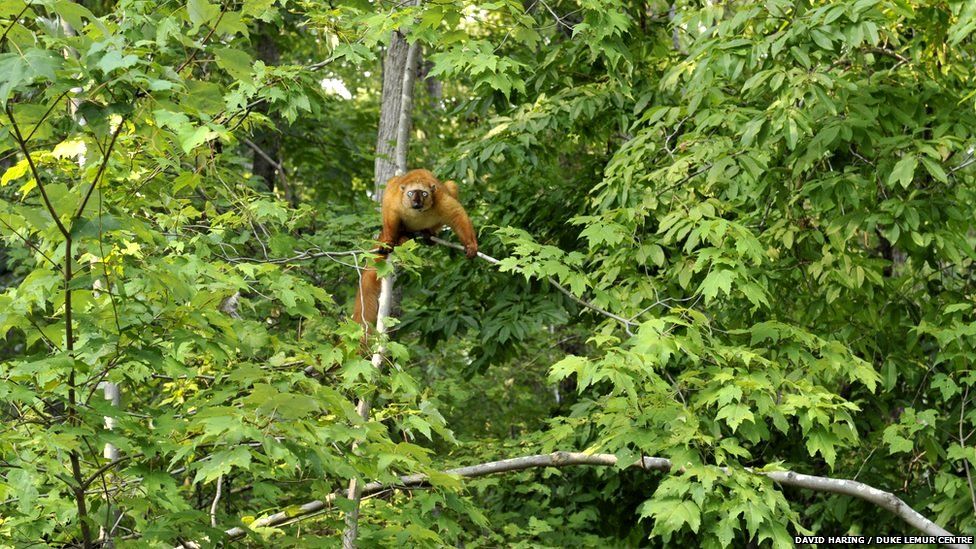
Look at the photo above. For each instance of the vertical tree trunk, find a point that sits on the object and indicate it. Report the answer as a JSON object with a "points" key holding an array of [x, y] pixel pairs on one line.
{"points": [[392, 144], [386, 134], [406, 108], [355, 492]]}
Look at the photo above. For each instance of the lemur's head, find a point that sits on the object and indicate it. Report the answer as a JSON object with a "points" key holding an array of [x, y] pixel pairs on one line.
{"points": [[418, 187]]}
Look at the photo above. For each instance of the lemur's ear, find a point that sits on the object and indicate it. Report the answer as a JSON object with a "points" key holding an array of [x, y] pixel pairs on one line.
{"points": [[433, 187], [402, 187]]}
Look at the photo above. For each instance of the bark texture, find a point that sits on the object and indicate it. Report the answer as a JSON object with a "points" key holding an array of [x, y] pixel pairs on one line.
{"points": [[386, 134]]}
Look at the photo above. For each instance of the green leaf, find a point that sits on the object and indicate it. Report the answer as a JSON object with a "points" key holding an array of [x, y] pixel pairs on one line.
{"points": [[191, 138], [904, 171], [958, 452], [566, 367], [598, 233], [946, 386], [934, 169], [205, 97], [28, 67], [717, 280], [236, 62], [823, 442], [764, 331], [115, 60], [735, 414], [223, 462], [672, 515], [74, 13], [257, 8], [964, 25], [170, 119], [896, 443], [656, 254], [201, 11]]}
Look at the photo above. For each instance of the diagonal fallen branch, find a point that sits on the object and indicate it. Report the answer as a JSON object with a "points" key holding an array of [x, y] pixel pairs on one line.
{"points": [[853, 488]]}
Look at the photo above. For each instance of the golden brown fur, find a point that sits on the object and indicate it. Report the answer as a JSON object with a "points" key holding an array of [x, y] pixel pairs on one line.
{"points": [[415, 202]]}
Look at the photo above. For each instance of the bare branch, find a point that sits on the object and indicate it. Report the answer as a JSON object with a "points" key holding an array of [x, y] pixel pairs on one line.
{"points": [[885, 500], [971, 159], [309, 254], [94, 476], [890, 53], [216, 500], [47, 113], [203, 43], [559, 20], [261, 152]]}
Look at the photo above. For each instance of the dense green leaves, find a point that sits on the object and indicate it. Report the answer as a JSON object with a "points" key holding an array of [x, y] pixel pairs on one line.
{"points": [[764, 212]]}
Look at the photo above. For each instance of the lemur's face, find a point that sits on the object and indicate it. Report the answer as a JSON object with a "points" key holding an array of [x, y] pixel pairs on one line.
{"points": [[418, 195]]}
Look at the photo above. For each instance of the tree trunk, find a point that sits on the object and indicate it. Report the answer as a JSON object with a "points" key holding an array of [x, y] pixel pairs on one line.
{"points": [[386, 134], [393, 136], [406, 109]]}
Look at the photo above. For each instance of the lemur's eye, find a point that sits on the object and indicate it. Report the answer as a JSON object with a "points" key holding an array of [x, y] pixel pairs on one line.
{"points": [[423, 193], [409, 193]]}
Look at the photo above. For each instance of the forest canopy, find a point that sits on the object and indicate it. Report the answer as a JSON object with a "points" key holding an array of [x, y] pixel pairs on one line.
{"points": [[727, 256]]}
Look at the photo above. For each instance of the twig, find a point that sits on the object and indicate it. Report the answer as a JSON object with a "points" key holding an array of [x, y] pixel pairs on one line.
{"points": [[203, 43], [47, 113], [277, 165], [302, 256], [94, 476], [279, 168], [559, 19], [865, 462], [890, 53], [964, 164]]}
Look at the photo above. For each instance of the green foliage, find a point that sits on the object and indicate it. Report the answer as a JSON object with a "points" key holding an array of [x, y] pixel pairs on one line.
{"points": [[772, 200]]}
